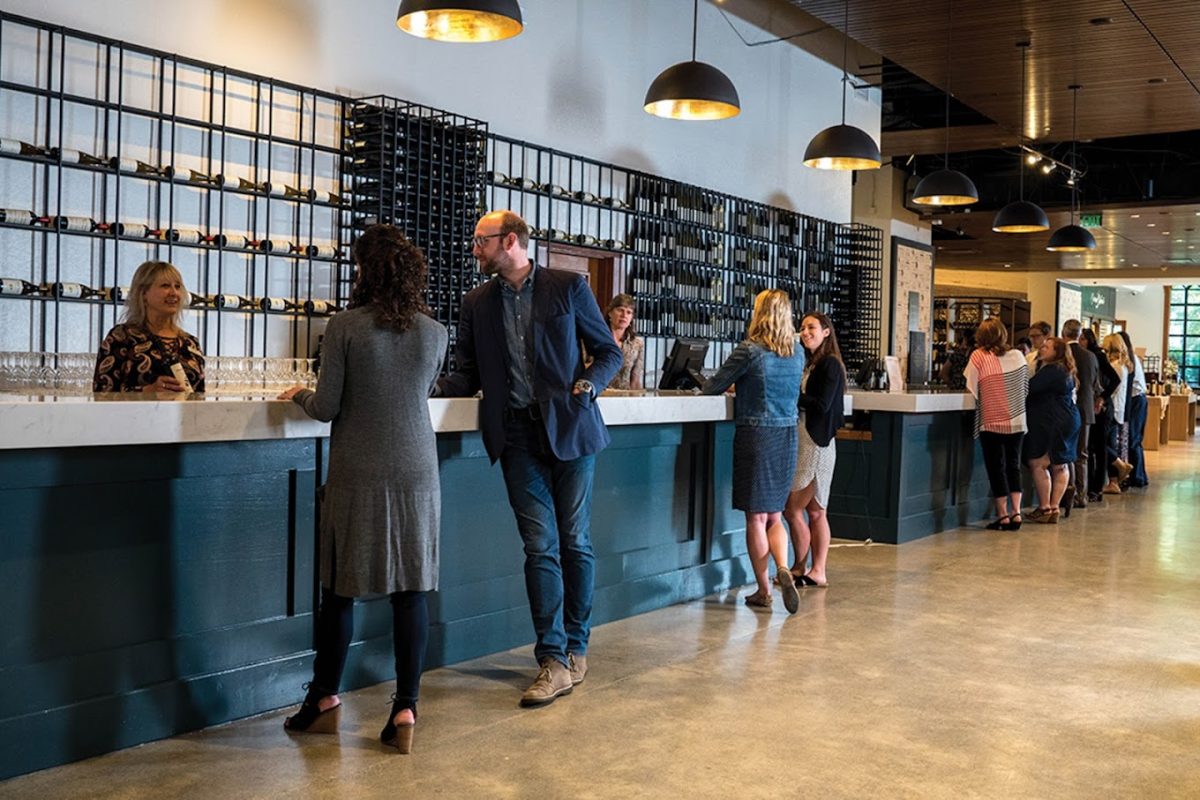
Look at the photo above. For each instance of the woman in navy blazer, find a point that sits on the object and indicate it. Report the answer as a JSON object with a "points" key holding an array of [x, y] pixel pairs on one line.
{"points": [[821, 409]]}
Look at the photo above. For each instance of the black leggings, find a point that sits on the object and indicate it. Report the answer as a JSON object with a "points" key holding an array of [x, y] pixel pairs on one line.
{"points": [[1002, 458], [335, 629]]}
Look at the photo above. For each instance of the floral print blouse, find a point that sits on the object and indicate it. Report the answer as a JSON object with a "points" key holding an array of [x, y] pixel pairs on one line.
{"points": [[131, 357]]}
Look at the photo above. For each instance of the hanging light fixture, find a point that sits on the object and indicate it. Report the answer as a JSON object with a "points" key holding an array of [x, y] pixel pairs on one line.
{"points": [[692, 90], [946, 187], [843, 147], [460, 20], [1021, 216], [1072, 238]]}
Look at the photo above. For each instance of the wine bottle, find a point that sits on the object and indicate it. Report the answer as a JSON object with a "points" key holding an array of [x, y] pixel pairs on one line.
{"points": [[15, 216], [17, 147], [177, 372], [553, 189], [232, 302], [323, 251], [613, 244], [200, 300], [74, 291], [320, 308], [615, 202], [67, 156], [273, 246], [266, 187], [137, 230], [186, 236], [85, 224], [278, 304], [18, 286], [323, 196], [522, 183], [584, 197], [218, 180], [496, 177], [140, 167], [585, 240]]}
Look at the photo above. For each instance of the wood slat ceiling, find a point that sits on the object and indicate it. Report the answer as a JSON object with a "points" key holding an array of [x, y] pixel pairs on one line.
{"points": [[1115, 63], [1145, 238]]}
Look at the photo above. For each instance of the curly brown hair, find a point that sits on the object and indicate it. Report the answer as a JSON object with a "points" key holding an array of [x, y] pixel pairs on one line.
{"points": [[992, 336], [392, 277]]}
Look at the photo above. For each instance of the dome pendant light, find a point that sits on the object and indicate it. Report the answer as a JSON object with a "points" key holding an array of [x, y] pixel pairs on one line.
{"points": [[692, 90], [1072, 238], [1021, 216], [946, 187], [843, 147], [460, 20]]}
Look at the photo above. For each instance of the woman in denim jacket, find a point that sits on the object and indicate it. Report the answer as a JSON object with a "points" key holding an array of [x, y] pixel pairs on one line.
{"points": [[766, 369]]}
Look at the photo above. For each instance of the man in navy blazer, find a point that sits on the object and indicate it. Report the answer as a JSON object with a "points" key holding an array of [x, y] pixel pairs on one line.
{"points": [[519, 341]]}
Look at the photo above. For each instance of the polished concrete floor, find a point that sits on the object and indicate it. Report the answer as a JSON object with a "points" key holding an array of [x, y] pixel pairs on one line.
{"points": [[1056, 662]]}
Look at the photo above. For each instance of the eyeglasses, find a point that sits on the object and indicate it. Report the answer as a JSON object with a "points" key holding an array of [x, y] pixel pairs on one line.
{"points": [[480, 241]]}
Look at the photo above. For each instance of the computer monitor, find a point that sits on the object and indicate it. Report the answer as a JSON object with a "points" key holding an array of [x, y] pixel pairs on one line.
{"points": [[682, 368]]}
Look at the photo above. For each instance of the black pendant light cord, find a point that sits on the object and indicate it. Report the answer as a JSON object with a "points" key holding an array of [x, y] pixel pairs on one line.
{"points": [[949, 28], [1074, 178], [695, 17], [845, 48], [1021, 133]]}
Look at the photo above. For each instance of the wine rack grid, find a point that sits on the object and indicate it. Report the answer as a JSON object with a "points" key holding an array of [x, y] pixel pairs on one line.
{"points": [[167, 136], [420, 169], [693, 257]]}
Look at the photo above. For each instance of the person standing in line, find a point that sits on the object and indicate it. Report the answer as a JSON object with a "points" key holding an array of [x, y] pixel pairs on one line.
{"points": [[1038, 332], [1088, 385], [1138, 407], [998, 377], [822, 406], [1053, 427], [1098, 438], [1118, 470], [519, 340], [766, 369], [381, 506]]}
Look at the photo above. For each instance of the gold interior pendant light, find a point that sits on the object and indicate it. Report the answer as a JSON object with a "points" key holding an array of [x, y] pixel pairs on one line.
{"points": [[946, 187], [1073, 238], [843, 147], [460, 20], [1021, 216], [692, 90]]}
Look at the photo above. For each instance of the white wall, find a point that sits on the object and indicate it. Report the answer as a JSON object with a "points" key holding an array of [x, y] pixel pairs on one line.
{"points": [[574, 79]]}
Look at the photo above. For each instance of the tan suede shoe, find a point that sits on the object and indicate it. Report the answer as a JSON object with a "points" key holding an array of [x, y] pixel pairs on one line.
{"points": [[553, 680], [578, 668]]}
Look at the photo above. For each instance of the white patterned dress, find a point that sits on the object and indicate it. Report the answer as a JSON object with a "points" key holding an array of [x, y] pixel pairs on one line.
{"points": [[813, 462]]}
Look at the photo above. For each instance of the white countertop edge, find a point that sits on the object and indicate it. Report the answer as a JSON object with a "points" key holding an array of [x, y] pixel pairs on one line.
{"points": [[81, 421]]}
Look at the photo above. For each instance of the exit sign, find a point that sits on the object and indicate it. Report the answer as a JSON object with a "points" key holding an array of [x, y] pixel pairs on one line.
{"points": [[1090, 221]]}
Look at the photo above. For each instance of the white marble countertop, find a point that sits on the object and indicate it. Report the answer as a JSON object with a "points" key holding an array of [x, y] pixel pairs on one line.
{"points": [[912, 402], [35, 421]]}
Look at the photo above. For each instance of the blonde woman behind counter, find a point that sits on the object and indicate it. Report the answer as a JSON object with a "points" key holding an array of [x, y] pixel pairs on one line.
{"points": [[137, 354]]}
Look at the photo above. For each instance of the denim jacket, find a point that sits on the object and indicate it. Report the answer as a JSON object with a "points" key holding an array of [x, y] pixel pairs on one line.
{"points": [[768, 385]]}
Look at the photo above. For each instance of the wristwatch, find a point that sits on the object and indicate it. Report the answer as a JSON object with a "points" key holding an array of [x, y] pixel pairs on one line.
{"points": [[585, 386]]}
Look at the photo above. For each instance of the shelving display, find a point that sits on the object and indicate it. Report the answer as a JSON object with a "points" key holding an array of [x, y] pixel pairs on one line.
{"points": [[954, 317], [421, 170], [256, 189]]}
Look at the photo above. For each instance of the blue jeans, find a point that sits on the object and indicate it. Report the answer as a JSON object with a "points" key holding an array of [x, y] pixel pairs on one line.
{"points": [[1137, 428], [552, 501]]}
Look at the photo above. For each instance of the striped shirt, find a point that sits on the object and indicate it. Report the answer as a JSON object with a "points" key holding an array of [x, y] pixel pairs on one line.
{"points": [[1000, 385]]}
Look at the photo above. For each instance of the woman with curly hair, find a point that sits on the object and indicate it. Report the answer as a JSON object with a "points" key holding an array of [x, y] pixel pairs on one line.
{"points": [[381, 505], [766, 369]]}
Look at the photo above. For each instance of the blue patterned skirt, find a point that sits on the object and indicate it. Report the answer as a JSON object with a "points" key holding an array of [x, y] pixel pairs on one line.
{"points": [[764, 461]]}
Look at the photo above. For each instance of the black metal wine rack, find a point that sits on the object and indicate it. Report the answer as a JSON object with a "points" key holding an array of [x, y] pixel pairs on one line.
{"points": [[126, 153], [420, 169]]}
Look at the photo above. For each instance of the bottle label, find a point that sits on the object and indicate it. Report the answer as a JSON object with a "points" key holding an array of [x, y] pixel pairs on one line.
{"points": [[15, 216], [12, 286], [274, 304], [318, 307], [185, 237], [180, 375], [228, 301], [73, 290], [75, 223]]}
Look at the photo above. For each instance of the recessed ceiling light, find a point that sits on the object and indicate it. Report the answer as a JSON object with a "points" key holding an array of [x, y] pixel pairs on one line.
{"points": [[1191, 247], [1101, 21], [1180, 241], [1006, 266], [1135, 265], [1135, 216], [1150, 224], [1122, 261]]}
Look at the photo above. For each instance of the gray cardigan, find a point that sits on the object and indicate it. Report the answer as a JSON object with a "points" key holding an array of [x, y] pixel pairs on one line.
{"points": [[381, 507]]}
